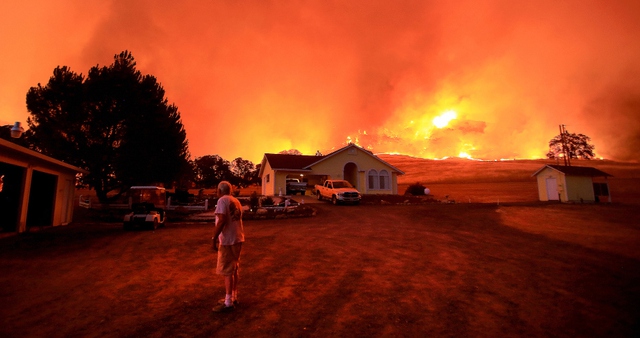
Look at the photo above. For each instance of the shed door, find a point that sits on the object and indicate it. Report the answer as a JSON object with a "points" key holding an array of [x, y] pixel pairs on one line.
{"points": [[552, 189]]}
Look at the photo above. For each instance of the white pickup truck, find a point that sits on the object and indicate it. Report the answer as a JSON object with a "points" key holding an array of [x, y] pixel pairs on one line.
{"points": [[338, 191]]}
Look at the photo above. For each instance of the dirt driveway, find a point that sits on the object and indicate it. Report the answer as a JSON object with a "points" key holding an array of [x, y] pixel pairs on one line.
{"points": [[458, 270]]}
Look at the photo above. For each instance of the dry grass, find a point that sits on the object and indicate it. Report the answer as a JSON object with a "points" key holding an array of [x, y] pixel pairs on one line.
{"points": [[501, 181], [428, 270]]}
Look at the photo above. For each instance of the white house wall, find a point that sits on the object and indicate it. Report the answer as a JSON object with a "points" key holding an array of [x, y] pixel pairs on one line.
{"points": [[333, 168], [268, 186]]}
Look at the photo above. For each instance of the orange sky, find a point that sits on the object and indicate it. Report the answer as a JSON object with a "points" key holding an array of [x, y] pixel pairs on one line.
{"points": [[251, 77]]}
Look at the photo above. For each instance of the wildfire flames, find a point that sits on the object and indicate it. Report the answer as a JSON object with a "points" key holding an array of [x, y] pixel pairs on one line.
{"points": [[473, 79]]}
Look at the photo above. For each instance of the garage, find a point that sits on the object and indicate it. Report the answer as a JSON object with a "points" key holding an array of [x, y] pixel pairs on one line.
{"points": [[36, 190]]}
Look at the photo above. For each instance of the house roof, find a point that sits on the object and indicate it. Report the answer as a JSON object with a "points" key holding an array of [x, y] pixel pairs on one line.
{"points": [[305, 162], [291, 162], [574, 171], [351, 145]]}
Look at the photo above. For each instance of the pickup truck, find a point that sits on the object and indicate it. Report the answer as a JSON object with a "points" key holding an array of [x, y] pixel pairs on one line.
{"points": [[338, 191], [294, 186]]}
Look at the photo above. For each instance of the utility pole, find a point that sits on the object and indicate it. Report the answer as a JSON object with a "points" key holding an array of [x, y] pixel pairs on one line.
{"points": [[565, 150]]}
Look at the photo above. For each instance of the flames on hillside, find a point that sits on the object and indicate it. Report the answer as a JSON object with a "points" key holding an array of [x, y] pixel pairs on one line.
{"points": [[443, 135]]}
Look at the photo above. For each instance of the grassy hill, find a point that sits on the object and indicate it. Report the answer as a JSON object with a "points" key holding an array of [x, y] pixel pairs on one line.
{"points": [[475, 181]]}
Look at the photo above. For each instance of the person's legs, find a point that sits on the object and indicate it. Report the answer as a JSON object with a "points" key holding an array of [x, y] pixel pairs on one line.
{"points": [[228, 286], [234, 288], [235, 276], [228, 262]]}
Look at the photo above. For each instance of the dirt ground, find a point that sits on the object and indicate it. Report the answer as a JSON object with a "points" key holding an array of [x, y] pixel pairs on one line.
{"points": [[443, 270]]}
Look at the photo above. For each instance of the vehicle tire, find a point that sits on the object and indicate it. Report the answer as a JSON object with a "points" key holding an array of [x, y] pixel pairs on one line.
{"points": [[126, 226], [319, 196], [334, 200], [154, 224]]}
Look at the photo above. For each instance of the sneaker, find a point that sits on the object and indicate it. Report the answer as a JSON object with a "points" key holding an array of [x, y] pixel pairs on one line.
{"points": [[223, 308], [235, 301]]}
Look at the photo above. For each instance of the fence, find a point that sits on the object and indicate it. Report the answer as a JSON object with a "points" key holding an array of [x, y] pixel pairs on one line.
{"points": [[85, 202]]}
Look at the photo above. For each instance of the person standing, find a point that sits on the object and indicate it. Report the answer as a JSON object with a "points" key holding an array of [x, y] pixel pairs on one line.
{"points": [[228, 238]]}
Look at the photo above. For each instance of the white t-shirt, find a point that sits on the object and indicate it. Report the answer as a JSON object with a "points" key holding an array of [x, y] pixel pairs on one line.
{"points": [[233, 231]]}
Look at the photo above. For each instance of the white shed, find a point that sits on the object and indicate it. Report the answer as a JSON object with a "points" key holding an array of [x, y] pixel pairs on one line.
{"points": [[36, 190], [572, 184]]}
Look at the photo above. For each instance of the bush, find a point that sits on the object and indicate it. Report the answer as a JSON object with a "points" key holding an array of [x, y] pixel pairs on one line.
{"points": [[416, 189], [254, 201], [267, 201]]}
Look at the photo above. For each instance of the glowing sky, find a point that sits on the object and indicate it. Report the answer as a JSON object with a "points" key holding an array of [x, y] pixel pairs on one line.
{"points": [[251, 77]]}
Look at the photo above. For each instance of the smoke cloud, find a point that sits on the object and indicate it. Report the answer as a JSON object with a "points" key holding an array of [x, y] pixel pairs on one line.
{"points": [[252, 77]]}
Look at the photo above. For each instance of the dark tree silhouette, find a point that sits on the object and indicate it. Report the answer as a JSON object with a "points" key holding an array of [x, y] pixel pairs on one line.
{"points": [[210, 170], [291, 152], [116, 123], [576, 146], [255, 175], [242, 171]]}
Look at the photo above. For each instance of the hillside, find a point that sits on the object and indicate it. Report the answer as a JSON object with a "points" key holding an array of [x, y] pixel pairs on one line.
{"points": [[466, 180]]}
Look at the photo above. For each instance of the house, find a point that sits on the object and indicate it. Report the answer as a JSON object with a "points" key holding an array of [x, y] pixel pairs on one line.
{"points": [[572, 184], [364, 170], [35, 190]]}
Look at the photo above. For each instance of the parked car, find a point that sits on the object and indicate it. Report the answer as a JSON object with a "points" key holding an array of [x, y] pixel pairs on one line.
{"points": [[148, 205], [294, 186], [338, 191]]}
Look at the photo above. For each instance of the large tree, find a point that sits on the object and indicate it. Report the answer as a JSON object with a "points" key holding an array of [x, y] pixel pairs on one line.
{"points": [[572, 146], [210, 170], [116, 123], [242, 172]]}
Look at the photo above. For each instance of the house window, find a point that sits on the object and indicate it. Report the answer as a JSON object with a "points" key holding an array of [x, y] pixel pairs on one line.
{"points": [[267, 178], [373, 179], [601, 189], [384, 180]]}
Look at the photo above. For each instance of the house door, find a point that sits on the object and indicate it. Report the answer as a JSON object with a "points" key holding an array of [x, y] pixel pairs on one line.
{"points": [[41, 199], [552, 189], [350, 174]]}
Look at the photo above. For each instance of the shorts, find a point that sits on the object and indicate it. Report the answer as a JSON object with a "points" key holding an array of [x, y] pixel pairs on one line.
{"points": [[228, 259]]}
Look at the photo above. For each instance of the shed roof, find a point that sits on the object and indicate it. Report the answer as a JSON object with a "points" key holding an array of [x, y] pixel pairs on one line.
{"points": [[15, 151], [574, 171]]}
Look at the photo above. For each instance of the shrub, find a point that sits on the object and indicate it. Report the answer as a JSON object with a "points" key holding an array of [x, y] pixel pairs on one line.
{"points": [[254, 201], [267, 201], [415, 189]]}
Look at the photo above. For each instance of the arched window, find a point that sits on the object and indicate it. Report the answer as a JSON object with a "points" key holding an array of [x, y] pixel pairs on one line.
{"points": [[384, 180], [373, 179]]}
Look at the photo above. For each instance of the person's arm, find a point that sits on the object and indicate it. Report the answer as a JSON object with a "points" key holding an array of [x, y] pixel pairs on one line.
{"points": [[221, 221]]}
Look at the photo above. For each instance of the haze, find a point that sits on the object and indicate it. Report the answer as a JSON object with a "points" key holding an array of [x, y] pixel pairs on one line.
{"points": [[251, 77]]}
